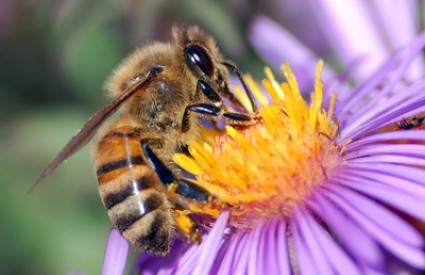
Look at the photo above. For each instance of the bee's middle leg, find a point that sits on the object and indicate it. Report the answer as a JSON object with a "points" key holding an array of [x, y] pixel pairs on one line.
{"points": [[186, 223], [184, 188]]}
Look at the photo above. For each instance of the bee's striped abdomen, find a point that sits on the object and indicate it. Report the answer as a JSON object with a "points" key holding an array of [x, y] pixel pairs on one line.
{"points": [[131, 192]]}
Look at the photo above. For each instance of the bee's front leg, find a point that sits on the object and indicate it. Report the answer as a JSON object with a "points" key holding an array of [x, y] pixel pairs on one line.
{"points": [[215, 109]]}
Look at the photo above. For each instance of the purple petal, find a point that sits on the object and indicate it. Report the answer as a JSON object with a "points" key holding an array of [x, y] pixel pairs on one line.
{"points": [[360, 245], [386, 229], [257, 239], [165, 265], [211, 245], [188, 260], [410, 150], [396, 65], [281, 242], [409, 204], [417, 135], [352, 101], [242, 255], [388, 221], [304, 260], [230, 254], [351, 41], [381, 159], [265, 252], [375, 121], [151, 264], [318, 257], [412, 174], [399, 63], [221, 255], [116, 253], [388, 179], [385, 100], [241, 263], [340, 262], [273, 253]]}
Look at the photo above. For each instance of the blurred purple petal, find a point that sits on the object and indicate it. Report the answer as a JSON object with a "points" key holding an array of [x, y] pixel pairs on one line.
{"points": [[348, 27], [292, 16], [277, 46], [400, 23], [116, 252]]}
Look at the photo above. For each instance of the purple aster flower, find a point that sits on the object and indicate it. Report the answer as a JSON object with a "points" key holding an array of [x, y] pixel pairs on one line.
{"points": [[317, 190], [335, 185]]}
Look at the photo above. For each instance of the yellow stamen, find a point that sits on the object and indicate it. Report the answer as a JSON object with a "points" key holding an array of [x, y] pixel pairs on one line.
{"points": [[266, 169]]}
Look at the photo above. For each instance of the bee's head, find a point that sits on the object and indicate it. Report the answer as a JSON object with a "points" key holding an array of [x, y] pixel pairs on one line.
{"points": [[200, 54]]}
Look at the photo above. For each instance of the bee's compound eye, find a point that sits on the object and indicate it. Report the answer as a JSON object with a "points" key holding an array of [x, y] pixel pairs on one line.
{"points": [[198, 59]]}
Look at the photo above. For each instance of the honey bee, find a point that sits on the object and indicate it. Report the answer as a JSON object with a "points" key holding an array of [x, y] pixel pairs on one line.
{"points": [[163, 90]]}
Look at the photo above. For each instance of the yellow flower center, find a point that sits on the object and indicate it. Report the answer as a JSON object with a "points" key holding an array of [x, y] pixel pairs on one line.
{"points": [[264, 170]]}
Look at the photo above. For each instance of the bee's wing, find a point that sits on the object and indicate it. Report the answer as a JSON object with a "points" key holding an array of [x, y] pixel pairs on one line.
{"points": [[85, 134]]}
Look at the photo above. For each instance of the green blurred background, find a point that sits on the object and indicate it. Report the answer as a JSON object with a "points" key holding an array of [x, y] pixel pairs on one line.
{"points": [[54, 58]]}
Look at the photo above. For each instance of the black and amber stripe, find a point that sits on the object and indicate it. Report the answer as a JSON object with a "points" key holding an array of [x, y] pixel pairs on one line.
{"points": [[128, 188], [140, 184], [115, 165], [117, 152], [150, 203]]}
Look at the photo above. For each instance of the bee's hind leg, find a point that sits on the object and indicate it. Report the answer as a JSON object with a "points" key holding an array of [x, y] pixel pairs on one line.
{"points": [[185, 222]]}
